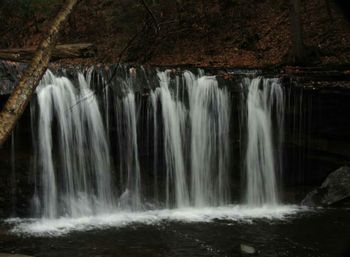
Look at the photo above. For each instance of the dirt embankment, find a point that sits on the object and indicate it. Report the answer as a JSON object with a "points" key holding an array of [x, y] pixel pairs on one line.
{"points": [[240, 33]]}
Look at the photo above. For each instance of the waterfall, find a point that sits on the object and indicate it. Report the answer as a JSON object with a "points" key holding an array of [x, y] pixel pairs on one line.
{"points": [[152, 114], [265, 127], [128, 152], [209, 114], [73, 154], [188, 134], [196, 145], [174, 117]]}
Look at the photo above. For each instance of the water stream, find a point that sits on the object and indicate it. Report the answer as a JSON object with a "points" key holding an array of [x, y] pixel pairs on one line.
{"points": [[73, 154], [88, 158], [263, 157]]}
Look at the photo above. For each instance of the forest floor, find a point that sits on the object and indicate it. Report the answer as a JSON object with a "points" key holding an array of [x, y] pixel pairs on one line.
{"points": [[211, 33]]}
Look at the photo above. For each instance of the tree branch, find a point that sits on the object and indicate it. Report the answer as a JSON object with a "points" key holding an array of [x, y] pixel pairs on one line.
{"points": [[32, 75]]}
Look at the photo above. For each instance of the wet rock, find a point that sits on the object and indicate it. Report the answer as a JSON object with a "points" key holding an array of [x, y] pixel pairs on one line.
{"points": [[334, 189], [246, 249]]}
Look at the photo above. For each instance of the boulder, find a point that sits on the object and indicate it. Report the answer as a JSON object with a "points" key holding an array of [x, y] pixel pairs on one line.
{"points": [[334, 189]]}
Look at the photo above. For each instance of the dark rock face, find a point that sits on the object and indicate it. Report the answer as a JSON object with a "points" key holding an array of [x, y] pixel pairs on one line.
{"points": [[334, 189], [9, 73]]}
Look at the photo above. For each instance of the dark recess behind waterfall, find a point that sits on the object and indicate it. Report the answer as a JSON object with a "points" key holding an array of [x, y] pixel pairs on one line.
{"points": [[317, 139]]}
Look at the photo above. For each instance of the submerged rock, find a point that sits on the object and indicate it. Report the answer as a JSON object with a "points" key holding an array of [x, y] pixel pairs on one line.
{"points": [[246, 249], [334, 189]]}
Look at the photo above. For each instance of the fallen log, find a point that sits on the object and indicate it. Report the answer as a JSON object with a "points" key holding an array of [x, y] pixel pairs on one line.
{"points": [[64, 51]]}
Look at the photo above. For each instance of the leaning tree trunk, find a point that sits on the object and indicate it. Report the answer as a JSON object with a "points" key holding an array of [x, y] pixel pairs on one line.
{"points": [[297, 54], [31, 77]]}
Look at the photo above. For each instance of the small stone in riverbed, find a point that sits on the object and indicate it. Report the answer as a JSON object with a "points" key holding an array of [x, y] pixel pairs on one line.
{"points": [[247, 249]]}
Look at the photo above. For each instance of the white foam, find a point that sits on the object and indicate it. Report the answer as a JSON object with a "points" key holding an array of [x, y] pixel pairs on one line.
{"points": [[237, 213]]}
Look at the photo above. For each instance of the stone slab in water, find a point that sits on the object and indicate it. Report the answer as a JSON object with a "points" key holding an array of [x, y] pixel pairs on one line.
{"points": [[334, 189], [246, 249]]}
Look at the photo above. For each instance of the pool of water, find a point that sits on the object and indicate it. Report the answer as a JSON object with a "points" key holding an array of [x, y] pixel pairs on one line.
{"points": [[272, 231]]}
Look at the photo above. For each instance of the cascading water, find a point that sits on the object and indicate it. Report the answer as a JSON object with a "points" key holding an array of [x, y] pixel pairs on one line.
{"points": [[210, 115], [85, 175], [152, 115], [195, 127], [188, 120], [128, 152], [200, 129], [73, 160], [264, 137], [174, 117]]}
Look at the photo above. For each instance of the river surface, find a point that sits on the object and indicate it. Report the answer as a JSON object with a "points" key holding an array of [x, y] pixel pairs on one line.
{"points": [[283, 231]]}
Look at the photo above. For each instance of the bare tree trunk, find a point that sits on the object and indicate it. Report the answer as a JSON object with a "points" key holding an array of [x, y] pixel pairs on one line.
{"points": [[31, 77], [297, 54]]}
